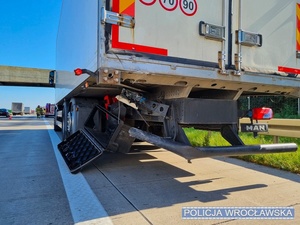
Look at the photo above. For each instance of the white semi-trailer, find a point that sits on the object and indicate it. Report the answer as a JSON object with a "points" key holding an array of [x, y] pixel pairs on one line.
{"points": [[17, 108], [27, 110], [49, 109], [147, 68]]}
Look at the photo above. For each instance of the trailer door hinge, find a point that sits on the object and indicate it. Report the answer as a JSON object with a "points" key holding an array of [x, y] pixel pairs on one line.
{"points": [[211, 31], [116, 18], [248, 38]]}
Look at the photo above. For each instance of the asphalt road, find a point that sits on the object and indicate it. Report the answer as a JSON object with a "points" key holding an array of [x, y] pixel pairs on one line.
{"points": [[147, 186]]}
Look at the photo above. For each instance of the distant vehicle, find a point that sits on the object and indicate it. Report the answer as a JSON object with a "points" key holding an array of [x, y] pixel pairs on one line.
{"points": [[27, 110], [4, 112], [50, 109], [17, 108]]}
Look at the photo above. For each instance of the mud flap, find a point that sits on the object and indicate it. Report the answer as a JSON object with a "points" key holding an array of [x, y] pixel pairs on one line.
{"points": [[79, 149], [102, 131]]}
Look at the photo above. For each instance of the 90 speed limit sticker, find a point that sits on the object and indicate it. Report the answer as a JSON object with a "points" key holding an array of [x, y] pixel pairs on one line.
{"points": [[188, 7]]}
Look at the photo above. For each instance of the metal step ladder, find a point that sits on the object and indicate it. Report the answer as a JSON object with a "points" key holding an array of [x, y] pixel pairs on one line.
{"points": [[103, 131]]}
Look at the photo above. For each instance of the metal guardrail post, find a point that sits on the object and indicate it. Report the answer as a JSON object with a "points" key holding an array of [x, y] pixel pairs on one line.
{"points": [[275, 139], [298, 106]]}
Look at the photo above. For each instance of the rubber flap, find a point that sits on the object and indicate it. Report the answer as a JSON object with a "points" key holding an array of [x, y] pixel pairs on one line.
{"points": [[79, 149]]}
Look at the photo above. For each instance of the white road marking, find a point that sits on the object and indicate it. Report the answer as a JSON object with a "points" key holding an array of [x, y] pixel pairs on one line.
{"points": [[84, 205]]}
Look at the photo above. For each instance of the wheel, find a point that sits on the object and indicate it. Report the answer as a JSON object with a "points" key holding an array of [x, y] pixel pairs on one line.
{"points": [[67, 120], [56, 127], [64, 120]]}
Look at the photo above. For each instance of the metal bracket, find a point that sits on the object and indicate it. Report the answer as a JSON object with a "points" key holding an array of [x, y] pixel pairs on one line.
{"points": [[146, 107], [248, 38], [230, 135], [238, 64], [211, 31], [221, 62], [117, 19]]}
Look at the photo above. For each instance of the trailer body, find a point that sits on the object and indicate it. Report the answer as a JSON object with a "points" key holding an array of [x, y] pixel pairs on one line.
{"points": [[162, 65], [17, 108], [49, 109], [27, 110]]}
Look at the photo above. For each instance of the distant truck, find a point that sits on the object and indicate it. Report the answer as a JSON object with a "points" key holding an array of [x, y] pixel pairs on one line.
{"points": [[17, 108], [27, 110], [49, 109]]}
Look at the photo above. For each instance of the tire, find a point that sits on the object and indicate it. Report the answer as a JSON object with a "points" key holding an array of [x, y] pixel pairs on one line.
{"points": [[64, 119], [56, 127], [67, 120]]}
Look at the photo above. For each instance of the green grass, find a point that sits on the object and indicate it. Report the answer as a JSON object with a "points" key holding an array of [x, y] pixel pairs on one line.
{"points": [[285, 161]]}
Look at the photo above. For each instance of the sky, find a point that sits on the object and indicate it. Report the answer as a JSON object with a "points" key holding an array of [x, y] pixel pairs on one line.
{"points": [[28, 30]]}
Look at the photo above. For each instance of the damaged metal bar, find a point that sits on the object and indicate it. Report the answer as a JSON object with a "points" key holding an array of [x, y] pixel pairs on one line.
{"points": [[189, 152]]}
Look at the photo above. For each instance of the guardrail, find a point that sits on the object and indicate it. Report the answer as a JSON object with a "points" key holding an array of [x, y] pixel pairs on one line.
{"points": [[280, 127]]}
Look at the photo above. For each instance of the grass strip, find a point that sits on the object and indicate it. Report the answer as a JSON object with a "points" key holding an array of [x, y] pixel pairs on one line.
{"points": [[285, 161]]}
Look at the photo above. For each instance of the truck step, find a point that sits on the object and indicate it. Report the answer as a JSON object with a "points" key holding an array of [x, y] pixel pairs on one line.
{"points": [[79, 149], [103, 131]]}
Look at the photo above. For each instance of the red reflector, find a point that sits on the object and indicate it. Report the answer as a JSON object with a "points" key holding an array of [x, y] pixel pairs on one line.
{"points": [[262, 113], [78, 71]]}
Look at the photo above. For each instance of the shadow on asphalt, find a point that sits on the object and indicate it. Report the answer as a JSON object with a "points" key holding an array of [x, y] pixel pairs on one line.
{"points": [[264, 169], [138, 172]]}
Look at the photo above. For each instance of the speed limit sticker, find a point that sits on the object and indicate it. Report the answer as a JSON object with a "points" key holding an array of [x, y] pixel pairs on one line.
{"points": [[188, 7], [148, 2], [169, 5]]}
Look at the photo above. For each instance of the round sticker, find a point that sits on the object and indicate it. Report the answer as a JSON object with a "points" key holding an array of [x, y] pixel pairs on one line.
{"points": [[148, 2], [188, 7], [169, 5]]}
